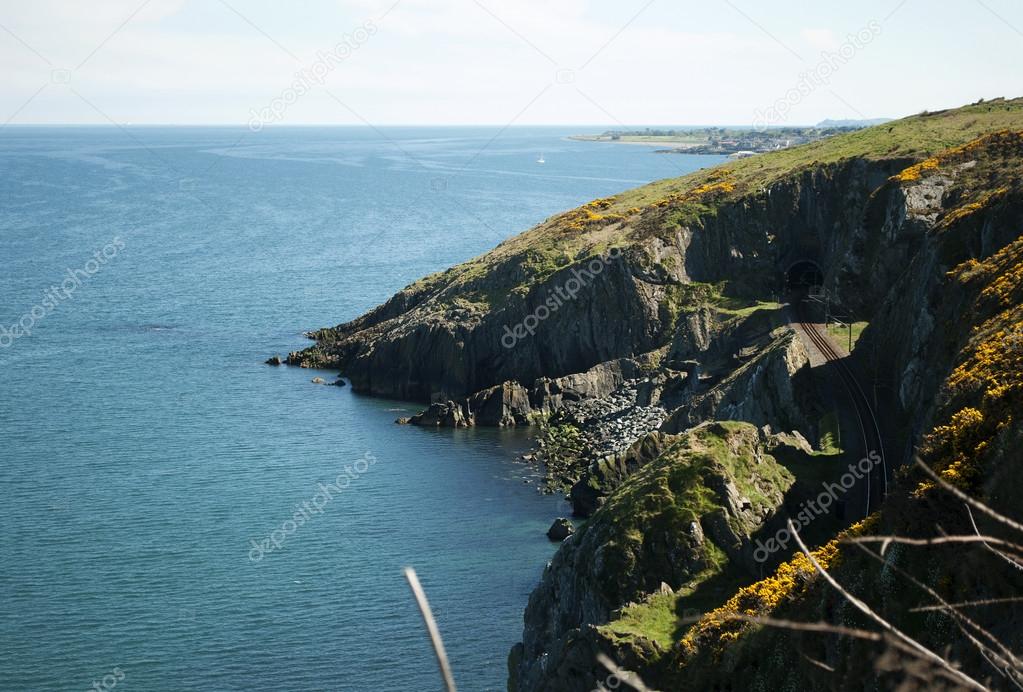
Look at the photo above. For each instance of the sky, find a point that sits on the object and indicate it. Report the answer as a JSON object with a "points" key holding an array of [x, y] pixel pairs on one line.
{"points": [[610, 63]]}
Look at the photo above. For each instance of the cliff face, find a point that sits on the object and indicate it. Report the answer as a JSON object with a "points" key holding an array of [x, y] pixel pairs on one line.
{"points": [[947, 334], [621, 289], [628, 324], [947, 337], [429, 341], [619, 276], [673, 525]]}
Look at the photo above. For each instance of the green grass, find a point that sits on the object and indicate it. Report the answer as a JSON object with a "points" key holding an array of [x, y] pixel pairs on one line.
{"points": [[688, 297], [749, 475], [655, 619], [840, 333], [743, 308], [915, 137], [660, 617], [669, 492], [662, 499], [830, 435]]}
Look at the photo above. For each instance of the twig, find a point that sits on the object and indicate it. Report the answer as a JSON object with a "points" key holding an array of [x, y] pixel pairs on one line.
{"points": [[827, 627], [933, 541], [976, 504], [431, 626], [986, 545], [866, 610], [1006, 658], [625, 676], [965, 604]]}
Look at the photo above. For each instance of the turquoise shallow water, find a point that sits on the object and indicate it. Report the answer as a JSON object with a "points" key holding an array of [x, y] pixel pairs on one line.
{"points": [[145, 446]]}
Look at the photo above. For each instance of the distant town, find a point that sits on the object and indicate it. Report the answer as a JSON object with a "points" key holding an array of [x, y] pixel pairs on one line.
{"points": [[731, 141]]}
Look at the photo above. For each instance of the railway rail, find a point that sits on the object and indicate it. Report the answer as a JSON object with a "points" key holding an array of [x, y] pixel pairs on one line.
{"points": [[869, 427]]}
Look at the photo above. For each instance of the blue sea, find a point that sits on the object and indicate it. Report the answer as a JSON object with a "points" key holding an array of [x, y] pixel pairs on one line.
{"points": [[148, 458]]}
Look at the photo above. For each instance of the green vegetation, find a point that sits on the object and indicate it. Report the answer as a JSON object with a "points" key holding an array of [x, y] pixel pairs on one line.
{"points": [[914, 138], [671, 488], [830, 435], [561, 444], [737, 307], [685, 298], [840, 333], [655, 509], [757, 481], [654, 619], [661, 618]]}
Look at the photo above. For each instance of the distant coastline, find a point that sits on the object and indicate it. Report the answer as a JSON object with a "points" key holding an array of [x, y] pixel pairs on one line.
{"points": [[729, 141]]}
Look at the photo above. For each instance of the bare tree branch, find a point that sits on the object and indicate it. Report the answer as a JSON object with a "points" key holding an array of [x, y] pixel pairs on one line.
{"points": [[967, 604], [828, 628], [986, 543], [1006, 660], [962, 677], [886, 540], [431, 626], [976, 504], [628, 677]]}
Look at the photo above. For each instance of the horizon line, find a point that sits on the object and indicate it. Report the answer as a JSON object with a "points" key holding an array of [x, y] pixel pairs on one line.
{"points": [[750, 126]]}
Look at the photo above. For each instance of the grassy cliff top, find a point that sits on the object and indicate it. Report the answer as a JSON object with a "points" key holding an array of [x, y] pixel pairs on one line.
{"points": [[519, 262], [915, 137]]}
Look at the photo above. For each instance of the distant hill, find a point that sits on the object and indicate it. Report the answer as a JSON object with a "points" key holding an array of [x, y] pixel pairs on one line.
{"points": [[871, 122]]}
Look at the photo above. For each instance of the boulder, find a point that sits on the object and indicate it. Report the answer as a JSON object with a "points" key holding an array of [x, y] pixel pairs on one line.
{"points": [[504, 405], [318, 380], [275, 360], [560, 530], [446, 414], [789, 447]]}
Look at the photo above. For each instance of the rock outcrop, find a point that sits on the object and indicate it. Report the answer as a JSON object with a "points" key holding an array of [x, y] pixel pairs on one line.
{"points": [[510, 403], [759, 391], [561, 529], [671, 523]]}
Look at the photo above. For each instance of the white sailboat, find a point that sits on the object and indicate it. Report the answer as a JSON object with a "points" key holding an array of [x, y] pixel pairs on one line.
{"points": [[540, 160]]}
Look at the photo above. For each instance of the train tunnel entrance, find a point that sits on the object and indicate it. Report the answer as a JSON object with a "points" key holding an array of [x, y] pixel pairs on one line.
{"points": [[804, 274]]}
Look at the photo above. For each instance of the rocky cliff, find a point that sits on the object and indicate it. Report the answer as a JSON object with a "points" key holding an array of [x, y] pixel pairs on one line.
{"points": [[625, 326], [946, 335]]}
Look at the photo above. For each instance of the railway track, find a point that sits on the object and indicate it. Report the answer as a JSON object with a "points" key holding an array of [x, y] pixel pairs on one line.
{"points": [[869, 427]]}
